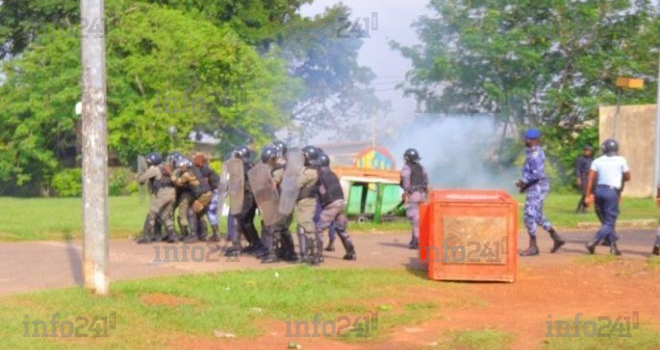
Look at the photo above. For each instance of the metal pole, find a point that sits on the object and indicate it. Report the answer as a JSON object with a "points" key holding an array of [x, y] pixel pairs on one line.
{"points": [[95, 153], [657, 131]]}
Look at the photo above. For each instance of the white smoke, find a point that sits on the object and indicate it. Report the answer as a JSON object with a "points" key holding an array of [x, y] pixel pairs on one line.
{"points": [[458, 151]]}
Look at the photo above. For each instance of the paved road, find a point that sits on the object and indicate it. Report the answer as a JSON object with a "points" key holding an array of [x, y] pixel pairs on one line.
{"points": [[35, 266]]}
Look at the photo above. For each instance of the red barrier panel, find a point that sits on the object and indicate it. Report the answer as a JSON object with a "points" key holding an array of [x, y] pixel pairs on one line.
{"points": [[470, 235]]}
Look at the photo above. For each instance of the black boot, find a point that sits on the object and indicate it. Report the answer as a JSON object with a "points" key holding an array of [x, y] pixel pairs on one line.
{"points": [[158, 231], [146, 233], [304, 249], [318, 251], [331, 246], [203, 230], [350, 251], [614, 250], [557, 240], [216, 233], [288, 248], [171, 236], [194, 230], [591, 246], [532, 250], [656, 248], [414, 243]]}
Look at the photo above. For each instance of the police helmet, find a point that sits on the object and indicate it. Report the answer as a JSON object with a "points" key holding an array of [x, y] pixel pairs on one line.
{"points": [[154, 158], [268, 153], [242, 152], [183, 162], [280, 147], [610, 146], [311, 154], [411, 155], [324, 160]]}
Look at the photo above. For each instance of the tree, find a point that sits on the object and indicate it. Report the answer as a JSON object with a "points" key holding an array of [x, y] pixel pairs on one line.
{"points": [[164, 68], [546, 63]]}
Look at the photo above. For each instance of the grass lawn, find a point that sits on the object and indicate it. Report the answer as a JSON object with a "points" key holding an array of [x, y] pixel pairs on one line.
{"points": [[61, 218], [151, 313]]}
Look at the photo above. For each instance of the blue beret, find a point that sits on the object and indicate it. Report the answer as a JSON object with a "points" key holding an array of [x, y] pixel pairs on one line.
{"points": [[532, 134]]}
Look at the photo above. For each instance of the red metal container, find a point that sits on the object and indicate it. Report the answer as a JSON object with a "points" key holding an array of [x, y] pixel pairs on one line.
{"points": [[470, 235]]}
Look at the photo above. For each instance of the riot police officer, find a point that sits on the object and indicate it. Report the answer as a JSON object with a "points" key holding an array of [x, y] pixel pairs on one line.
{"points": [[213, 179], [287, 249], [244, 221], [310, 240], [535, 185], [610, 171], [331, 197], [163, 197], [414, 182], [190, 176]]}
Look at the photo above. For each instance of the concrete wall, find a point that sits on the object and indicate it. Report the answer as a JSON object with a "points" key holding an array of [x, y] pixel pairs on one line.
{"points": [[635, 132]]}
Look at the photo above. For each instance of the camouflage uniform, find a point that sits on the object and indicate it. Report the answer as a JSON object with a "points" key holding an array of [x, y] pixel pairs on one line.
{"points": [[163, 196]]}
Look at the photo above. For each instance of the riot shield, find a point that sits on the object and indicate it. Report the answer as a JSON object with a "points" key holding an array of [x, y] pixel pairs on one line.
{"points": [[289, 190], [265, 194], [235, 185], [223, 186]]}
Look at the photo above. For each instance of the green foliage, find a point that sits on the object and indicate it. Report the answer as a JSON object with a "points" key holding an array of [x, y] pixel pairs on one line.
{"points": [[153, 54], [68, 183], [544, 63], [122, 182]]}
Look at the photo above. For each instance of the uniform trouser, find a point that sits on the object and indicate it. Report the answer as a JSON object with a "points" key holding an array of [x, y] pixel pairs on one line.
{"points": [[332, 234], [535, 195], [607, 200], [200, 208], [245, 221], [308, 237], [212, 213], [333, 215], [162, 207], [184, 202], [412, 211]]}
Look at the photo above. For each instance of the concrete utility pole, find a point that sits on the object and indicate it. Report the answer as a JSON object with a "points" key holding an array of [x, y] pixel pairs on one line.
{"points": [[657, 130], [95, 151]]}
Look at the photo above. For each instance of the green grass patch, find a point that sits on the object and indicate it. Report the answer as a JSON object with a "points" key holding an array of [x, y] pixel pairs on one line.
{"points": [[596, 259], [30, 219], [602, 335], [487, 339], [653, 262], [150, 312]]}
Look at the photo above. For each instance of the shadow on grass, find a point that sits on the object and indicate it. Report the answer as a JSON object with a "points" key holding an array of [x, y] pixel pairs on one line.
{"points": [[75, 261]]}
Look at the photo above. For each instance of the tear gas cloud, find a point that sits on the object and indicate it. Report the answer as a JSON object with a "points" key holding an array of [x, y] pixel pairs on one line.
{"points": [[458, 151]]}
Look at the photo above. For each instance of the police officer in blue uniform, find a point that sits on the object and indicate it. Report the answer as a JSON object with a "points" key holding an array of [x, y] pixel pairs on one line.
{"points": [[535, 185], [610, 171]]}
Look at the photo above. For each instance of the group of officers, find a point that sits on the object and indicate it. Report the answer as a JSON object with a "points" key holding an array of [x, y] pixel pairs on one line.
{"points": [[601, 181], [282, 186]]}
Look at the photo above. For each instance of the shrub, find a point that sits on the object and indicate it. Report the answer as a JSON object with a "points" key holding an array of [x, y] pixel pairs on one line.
{"points": [[122, 182], [68, 183]]}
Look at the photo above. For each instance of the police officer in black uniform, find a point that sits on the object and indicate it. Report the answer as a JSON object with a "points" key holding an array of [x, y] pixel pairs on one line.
{"points": [[582, 167], [332, 201]]}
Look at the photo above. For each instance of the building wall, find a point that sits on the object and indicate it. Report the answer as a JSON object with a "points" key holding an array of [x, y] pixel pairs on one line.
{"points": [[635, 132]]}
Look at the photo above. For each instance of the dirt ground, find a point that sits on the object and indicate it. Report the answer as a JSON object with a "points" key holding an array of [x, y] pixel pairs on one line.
{"points": [[558, 285]]}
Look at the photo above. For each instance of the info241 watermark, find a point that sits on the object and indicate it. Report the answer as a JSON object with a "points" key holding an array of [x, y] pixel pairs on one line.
{"points": [[468, 252], [342, 326], [619, 328], [80, 327]]}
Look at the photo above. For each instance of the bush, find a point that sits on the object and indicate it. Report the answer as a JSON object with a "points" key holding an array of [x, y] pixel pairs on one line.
{"points": [[68, 183], [122, 182]]}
